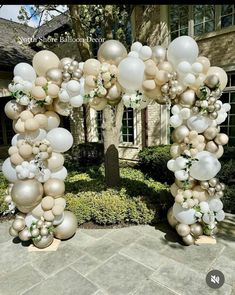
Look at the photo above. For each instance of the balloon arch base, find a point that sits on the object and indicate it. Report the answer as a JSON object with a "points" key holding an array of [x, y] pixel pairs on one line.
{"points": [[50, 88]]}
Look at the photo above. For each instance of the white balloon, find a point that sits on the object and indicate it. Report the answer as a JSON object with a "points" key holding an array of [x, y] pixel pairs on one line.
{"points": [[199, 123], [63, 95], [145, 53], [76, 101], [73, 87], [175, 121], [189, 79], [133, 54], [181, 175], [9, 171], [44, 175], [206, 167], [204, 207], [220, 215], [226, 107], [171, 165], [29, 219], [181, 163], [61, 140], [185, 113], [15, 138], [185, 216], [60, 174], [215, 205], [18, 79], [176, 109], [82, 85], [183, 48], [25, 71], [41, 135], [197, 67], [131, 73], [136, 46], [184, 67]]}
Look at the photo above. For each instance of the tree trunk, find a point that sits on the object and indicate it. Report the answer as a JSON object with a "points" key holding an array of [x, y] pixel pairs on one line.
{"points": [[112, 123]]}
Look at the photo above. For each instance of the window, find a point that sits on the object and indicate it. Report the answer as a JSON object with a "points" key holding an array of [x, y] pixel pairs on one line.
{"points": [[179, 17], [203, 19], [195, 20], [127, 132], [227, 16], [228, 96]]}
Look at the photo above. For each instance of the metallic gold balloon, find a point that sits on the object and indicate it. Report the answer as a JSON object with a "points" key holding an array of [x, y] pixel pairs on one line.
{"points": [[187, 98], [44, 242], [196, 229], [213, 182], [65, 61], [67, 228], [211, 81], [13, 109], [13, 232], [18, 224], [189, 240], [112, 52], [25, 235], [61, 108], [54, 75], [179, 134], [54, 187], [98, 103], [171, 218], [183, 229], [27, 194], [114, 102]]}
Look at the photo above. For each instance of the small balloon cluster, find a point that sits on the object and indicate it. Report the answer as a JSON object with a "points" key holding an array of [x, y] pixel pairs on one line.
{"points": [[198, 142], [51, 87]]}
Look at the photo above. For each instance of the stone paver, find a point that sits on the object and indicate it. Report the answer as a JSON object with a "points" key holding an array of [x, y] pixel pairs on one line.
{"points": [[85, 264], [102, 249], [19, 280], [138, 260], [67, 282], [120, 275], [185, 281], [151, 288]]}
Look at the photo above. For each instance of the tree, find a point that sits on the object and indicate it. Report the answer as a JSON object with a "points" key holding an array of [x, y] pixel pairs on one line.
{"points": [[108, 21]]}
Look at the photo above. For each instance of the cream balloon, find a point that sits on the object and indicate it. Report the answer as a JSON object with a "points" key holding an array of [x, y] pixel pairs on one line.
{"points": [[60, 174], [45, 60], [205, 63], [55, 162], [112, 52], [53, 120]]}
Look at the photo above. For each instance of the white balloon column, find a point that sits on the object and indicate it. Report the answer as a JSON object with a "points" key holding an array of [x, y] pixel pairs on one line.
{"points": [[177, 76]]}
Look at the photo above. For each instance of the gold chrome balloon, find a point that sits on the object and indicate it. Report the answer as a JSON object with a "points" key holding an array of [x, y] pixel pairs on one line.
{"points": [[67, 228], [112, 52]]}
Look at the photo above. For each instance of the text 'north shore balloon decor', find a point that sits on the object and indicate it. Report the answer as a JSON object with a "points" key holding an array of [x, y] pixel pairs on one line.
{"points": [[53, 87]]}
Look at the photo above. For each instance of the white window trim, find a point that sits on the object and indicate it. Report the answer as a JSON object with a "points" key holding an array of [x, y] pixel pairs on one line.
{"points": [[131, 144]]}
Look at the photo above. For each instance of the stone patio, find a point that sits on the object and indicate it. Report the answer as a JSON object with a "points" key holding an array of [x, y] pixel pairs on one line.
{"points": [[137, 260]]}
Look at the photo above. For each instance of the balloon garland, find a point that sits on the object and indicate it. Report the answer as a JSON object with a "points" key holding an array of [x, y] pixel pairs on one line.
{"points": [[53, 87]]}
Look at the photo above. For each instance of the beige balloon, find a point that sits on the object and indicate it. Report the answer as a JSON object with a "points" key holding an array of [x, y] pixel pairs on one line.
{"points": [[13, 109], [55, 162], [165, 66], [161, 77], [60, 107], [149, 85], [221, 138], [45, 60], [60, 202], [25, 235], [31, 125], [53, 90], [205, 63], [54, 187], [19, 126], [112, 52], [12, 150], [42, 120], [114, 92], [221, 74], [210, 133], [91, 67], [55, 76], [18, 224], [26, 194], [211, 147], [37, 211], [175, 150], [13, 232], [220, 151], [67, 228], [57, 210], [47, 203], [153, 94], [41, 81], [199, 82], [16, 159], [48, 215], [38, 93], [171, 219]]}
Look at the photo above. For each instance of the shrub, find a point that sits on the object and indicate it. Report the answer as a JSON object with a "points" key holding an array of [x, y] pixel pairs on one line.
{"points": [[229, 199], [227, 172], [85, 154], [153, 162], [3, 187]]}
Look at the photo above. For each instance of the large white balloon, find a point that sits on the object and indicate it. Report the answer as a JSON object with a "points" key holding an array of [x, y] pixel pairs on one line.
{"points": [[131, 73], [29, 219], [206, 167], [61, 140], [199, 123], [9, 170], [183, 48], [60, 174], [25, 71], [185, 216]]}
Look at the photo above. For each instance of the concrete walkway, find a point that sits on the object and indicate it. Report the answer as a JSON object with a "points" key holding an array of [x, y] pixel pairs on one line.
{"points": [[139, 260]]}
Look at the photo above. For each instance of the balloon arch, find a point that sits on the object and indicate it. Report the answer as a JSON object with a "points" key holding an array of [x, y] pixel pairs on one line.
{"points": [[53, 87]]}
